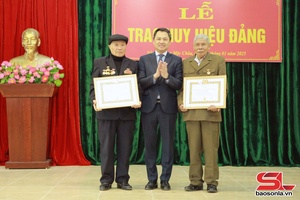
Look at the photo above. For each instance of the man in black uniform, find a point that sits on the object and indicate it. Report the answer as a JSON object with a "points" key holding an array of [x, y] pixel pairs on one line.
{"points": [[116, 124]]}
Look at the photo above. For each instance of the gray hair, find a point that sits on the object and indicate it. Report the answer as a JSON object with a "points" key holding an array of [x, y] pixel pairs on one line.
{"points": [[202, 37]]}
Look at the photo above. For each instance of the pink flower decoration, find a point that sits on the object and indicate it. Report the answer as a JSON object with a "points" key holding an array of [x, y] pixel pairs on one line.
{"points": [[42, 69], [56, 76], [16, 71], [23, 71], [6, 63], [11, 81], [36, 74], [59, 66], [22, 79], [7, 73], [17, 76], [31, 80], [45, 79], [32, 69], [47, 73], [47, 64]]}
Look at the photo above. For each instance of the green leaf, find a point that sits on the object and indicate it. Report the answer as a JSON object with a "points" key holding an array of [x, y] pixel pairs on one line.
{"points": [[58, 82]]}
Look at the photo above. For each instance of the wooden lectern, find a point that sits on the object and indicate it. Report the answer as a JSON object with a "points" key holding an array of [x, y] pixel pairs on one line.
{"points": [[28, 118]]}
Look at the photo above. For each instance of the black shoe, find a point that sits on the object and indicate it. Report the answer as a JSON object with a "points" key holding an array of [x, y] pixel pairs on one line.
{"points": [[124, 186], [105, 186], [211, 188], [164, 185], [151, 185], [193, 187]]}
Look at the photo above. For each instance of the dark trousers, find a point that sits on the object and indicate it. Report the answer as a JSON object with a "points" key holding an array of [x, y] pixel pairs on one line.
{"points": [[119, 132], [167, 124]]}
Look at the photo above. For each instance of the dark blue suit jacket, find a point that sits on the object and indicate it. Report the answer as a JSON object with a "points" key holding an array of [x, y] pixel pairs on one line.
{"points": [[166, 89]]}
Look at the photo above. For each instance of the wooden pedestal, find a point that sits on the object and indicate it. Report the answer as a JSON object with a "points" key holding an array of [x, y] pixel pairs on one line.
{"points": [[28, 119]]}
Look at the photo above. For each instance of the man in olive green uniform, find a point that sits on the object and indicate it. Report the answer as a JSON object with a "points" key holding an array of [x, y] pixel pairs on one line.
{"points": [[202, 125]]}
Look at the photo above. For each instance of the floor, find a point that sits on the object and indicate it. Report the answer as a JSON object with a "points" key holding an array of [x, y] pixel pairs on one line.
{"points": [[82, 182]]}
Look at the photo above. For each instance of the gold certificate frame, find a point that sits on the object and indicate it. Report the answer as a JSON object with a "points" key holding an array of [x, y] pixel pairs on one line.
{"points": [[204, 91], [116, 91]]}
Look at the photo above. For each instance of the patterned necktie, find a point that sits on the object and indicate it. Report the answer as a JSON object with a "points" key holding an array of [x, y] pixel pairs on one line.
{"points": [[160, 57]]}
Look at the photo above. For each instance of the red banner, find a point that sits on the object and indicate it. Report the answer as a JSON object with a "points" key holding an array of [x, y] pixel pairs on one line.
{"points": [[240, 30]]}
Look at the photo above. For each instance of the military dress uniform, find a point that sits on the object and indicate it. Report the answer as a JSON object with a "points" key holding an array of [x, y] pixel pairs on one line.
{"points": [[203, 126]]}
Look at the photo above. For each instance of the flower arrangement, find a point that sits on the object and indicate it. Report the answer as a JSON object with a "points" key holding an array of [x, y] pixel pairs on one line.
{"points": [[46, 73]]}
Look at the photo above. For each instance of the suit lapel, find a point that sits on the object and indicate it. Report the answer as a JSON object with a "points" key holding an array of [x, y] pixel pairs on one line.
{"points": [[205, 61], [194, 64], [111, 63], [125, 64], [168, 57], [153, 61]]}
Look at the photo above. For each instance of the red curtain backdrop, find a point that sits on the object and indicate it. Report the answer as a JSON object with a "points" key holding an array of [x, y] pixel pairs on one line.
{"points": [[57, 22]]}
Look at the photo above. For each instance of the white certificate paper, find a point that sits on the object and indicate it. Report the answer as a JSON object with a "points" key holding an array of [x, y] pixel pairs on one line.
{"points": [[204, 91], [116, 91]]}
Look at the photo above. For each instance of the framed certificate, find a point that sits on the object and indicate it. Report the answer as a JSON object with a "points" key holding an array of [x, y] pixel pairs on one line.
{"points": [[203, 91], [116, 91]]}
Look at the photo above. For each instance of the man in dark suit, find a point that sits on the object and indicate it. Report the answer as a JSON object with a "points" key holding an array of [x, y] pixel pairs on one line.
{"points": [[116, 124], [202, 125], [160, 76]]}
